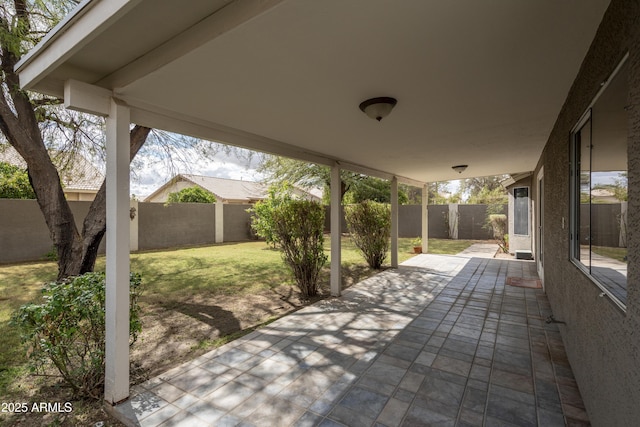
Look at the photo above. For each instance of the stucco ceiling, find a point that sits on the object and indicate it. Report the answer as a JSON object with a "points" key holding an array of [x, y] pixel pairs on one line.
{"points": [[477, 82]]}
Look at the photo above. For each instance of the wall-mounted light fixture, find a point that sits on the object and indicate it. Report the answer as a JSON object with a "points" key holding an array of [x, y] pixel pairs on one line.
{"points": [[378, 108], [459, 168]]}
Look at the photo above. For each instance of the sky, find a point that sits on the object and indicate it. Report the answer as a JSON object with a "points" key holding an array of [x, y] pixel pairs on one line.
{"points": [[148, 172], [156, 163]]}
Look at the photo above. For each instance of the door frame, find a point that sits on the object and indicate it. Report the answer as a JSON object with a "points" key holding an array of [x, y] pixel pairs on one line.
{"points": [[539, 224]]}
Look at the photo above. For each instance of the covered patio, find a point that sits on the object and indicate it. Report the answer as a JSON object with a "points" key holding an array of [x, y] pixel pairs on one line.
{"points": [[481, 89], [439, 341]]}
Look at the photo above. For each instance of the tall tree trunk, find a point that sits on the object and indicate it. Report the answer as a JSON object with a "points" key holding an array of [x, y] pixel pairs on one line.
{"points": [[95, 225], [18, 122]]}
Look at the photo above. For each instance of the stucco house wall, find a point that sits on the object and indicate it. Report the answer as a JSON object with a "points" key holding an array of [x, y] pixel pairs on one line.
{"points": [[602, 341], [173, 187]]}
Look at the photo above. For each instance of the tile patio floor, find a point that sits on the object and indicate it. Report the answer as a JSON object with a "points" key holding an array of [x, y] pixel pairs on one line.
{"points": [[439, 341]]}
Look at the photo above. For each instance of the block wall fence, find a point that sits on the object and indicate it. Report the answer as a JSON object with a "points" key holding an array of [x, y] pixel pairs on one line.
{"points": [[24, 235]]}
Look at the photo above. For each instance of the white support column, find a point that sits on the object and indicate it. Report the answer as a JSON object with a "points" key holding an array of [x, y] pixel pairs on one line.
{"points": [[219, 216], [454, 215], [425, 218], [394, 222], [336, 250], [134, 215], [624, 207], [116, 386]]}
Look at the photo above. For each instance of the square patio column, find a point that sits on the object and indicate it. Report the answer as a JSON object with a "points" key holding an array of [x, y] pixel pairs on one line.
{"points": [[336, 223], [219, 218], [425, 218], [394, 222], [116, 385]]}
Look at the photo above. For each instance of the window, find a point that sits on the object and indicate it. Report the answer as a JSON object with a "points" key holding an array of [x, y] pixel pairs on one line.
{"points": [[599, 189], [521, 211]]}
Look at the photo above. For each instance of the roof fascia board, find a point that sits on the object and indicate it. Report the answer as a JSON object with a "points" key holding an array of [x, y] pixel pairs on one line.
{"points": [[154, 117], [353, 167], [171, 121], [218, 23], [86, 22]]}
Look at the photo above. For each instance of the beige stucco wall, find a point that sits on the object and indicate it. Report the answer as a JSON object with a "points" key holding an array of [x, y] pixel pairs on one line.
{"points": [[163, 195], [602, 341], [81, 196]]}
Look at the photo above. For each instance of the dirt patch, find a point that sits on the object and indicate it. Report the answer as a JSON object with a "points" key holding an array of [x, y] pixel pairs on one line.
{"points": [[179, 331], [173, 333]]}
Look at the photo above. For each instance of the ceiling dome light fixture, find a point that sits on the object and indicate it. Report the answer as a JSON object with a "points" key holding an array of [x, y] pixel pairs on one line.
{"points": [[378, 108], [459, 168]]}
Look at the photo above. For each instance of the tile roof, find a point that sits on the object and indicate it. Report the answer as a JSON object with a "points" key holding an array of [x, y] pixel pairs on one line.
{"points": [[229, 189], [76, 172]]}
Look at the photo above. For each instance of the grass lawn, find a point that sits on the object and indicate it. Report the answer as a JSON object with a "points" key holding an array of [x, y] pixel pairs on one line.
{"points": [[619, 254], [212, 291]]}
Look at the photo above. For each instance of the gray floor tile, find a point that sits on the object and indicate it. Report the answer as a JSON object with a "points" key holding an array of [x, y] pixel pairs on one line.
{"points": [[454, 366], [475, 399], [447, 343], [230, 395], [206, 412], [423, 416], [308, 419], [442, 391], [393, 413], [276, 412], [511, 411], [350, 417]]}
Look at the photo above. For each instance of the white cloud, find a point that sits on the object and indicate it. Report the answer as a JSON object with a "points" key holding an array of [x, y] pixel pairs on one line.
{"points": [[148, 173]]}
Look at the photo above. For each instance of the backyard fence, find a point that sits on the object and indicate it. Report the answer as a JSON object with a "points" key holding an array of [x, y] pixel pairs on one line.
{"points": [[24, 235]]}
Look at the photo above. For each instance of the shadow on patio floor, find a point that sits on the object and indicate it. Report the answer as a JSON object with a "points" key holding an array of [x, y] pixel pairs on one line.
{"points": [[441, 340]]}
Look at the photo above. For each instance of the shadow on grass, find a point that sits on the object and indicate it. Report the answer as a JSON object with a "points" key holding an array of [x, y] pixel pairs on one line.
{"points": [[216, 317]]}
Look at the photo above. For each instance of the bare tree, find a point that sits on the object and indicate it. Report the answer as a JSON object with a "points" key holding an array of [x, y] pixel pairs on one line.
{"points": [[26, 120]]}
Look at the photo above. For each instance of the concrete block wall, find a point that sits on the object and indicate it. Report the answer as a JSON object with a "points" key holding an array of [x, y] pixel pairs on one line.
{"points": [[472, 222], [237, 223], [24, 235], [179, 224]]}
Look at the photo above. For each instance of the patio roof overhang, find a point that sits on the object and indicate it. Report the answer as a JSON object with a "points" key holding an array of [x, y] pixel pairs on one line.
{"points": [[477, 83]]}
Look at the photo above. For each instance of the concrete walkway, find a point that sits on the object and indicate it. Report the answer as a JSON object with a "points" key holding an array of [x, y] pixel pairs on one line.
{"points": [[480, 250], [440, 341]]}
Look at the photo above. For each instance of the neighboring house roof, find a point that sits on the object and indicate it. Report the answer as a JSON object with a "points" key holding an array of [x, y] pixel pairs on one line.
{"points": [[225, 189], [229, 189], [76, 172]]}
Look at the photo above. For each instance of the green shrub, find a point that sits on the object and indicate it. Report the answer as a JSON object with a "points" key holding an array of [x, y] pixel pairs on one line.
{"points": [[68, 330], [14, 183], [369, 225], [262, 212], [191, 195], [298, 227], [499, 226]]}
